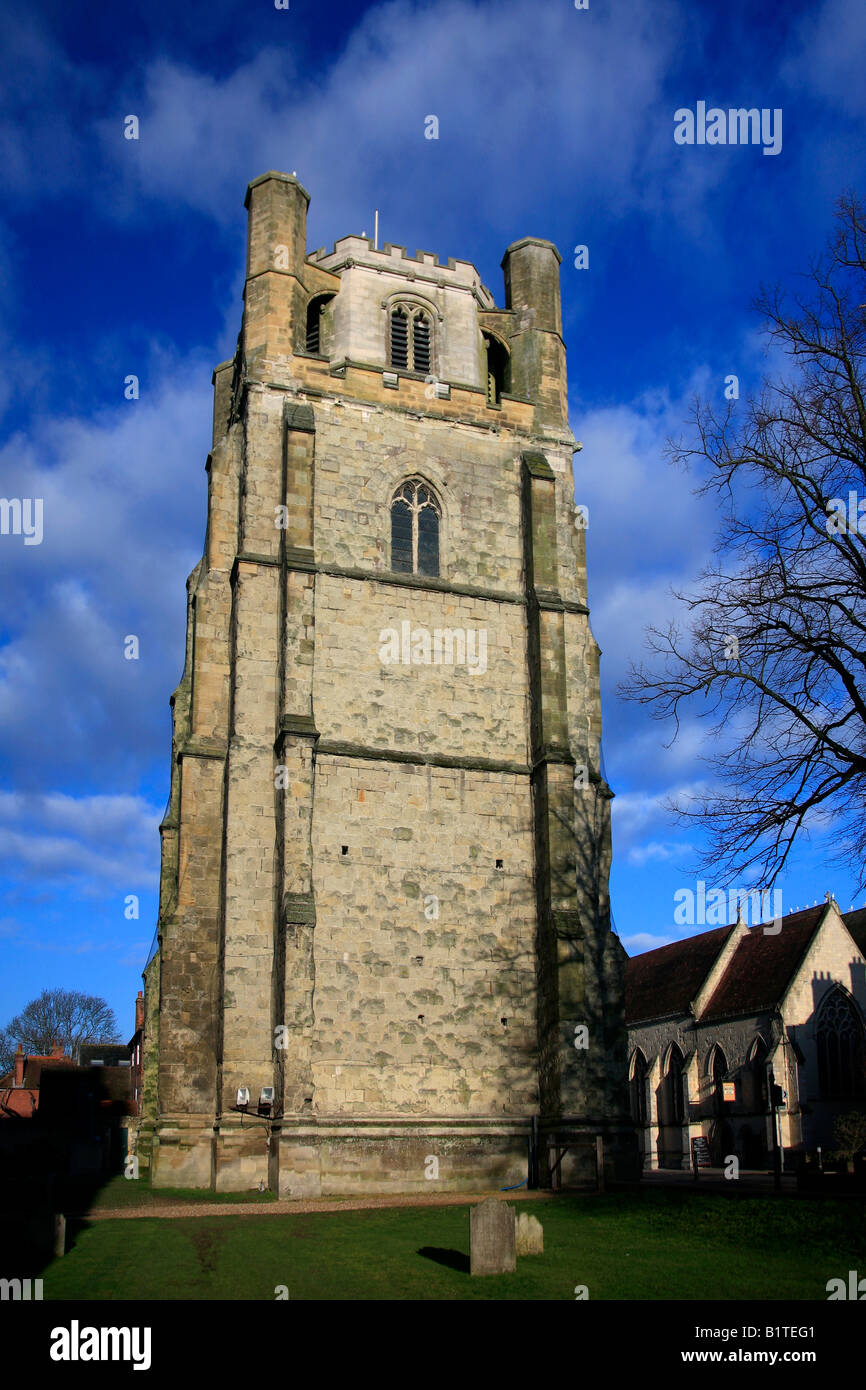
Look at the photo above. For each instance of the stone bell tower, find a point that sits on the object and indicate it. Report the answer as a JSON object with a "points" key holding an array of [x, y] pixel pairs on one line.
{"points": [[384, 927]]}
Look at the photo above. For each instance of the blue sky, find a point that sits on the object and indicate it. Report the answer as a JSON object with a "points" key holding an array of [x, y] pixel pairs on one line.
{"points": [[121, 257]]}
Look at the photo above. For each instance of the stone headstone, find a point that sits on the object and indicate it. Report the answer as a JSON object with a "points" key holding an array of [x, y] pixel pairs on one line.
{"points": [[491, 1238], [529, 1235]]}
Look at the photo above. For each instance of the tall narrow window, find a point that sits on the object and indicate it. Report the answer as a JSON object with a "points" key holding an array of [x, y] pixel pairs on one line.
{"points": [[496, 369], [718, 1070], [637, 1088], [841, 1050], [415, 516], [410, 340], [314, 338], [421, 343], [400, 339], [676, 1104], [757, 1101]]}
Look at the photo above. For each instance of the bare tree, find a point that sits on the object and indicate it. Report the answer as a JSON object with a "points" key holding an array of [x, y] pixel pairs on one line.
{"points": [[774, 648], [61, 1015]]}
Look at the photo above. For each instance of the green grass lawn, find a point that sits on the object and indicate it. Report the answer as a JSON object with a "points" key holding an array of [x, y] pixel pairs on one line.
{"points": [[121, 1192], [644, 1245]]}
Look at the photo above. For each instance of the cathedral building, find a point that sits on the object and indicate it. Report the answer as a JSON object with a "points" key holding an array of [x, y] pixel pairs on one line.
{"points": [[718, 1020], [385, 959]]}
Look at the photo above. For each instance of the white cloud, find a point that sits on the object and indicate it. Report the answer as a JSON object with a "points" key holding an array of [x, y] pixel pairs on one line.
{"points": [[492, 75], [99, 842], [642, 941], [654, 851], [124, 511], [828, 55]]}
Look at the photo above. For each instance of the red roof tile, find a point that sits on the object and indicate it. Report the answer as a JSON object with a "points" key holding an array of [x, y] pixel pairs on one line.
{"points": [[665, 981], [856, 924], [20, 1103], [763, 965], [34, 1067]]}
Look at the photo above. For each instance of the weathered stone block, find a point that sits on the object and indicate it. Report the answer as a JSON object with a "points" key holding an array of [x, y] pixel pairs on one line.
{"points": [[492, 1238]]}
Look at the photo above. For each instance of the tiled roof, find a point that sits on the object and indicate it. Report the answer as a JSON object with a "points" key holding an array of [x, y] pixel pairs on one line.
{"points": [[763, 964], [665, 981], [34, 1066], [856, 924], [109, 1054], [19, 1102]]}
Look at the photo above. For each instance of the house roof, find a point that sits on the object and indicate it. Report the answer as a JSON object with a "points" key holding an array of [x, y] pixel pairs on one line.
{"points": [[19, 1103], [665, 981], [106, 1054], [34, 1067], [856, 924], [763, 965]]}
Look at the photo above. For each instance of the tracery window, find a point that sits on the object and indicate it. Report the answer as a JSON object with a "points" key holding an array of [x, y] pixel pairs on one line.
{"points": [[841, 1050], [415, 517]]}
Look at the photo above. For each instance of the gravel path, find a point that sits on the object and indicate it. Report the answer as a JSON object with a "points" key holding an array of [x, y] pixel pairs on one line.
{"points": [[298, 1208]]}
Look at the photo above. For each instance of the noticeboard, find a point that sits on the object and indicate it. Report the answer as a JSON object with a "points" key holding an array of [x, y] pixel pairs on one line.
{"points": [[701, 1152]]}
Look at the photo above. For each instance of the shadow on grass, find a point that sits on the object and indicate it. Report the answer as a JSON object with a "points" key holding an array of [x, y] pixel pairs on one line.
{"points": [[452, 1259]]}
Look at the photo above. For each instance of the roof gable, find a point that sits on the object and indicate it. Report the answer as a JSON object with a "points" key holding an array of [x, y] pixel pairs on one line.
{"points": [[763, 965], [665, 981]]}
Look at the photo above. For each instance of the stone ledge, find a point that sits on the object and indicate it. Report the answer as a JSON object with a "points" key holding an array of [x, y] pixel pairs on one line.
{"points": [[201, 748], [297, 724], [337, 749], [537, 465], [420, 581]]}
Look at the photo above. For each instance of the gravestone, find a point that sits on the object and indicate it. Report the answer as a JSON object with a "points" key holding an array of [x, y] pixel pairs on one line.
{"points": [[491, 1238], [529, 1235]]}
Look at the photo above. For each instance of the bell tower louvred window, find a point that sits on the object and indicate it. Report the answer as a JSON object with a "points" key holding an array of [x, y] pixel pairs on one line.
{"points": [[400, 339], [410, 340]]}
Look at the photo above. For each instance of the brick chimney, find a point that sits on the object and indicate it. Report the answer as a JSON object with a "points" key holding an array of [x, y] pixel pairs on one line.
{"points": [[139, 1011], [19, 1065], [57, 1048]]}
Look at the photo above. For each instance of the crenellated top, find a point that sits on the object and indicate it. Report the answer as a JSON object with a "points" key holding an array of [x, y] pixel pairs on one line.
{"points": [[377, 310]]}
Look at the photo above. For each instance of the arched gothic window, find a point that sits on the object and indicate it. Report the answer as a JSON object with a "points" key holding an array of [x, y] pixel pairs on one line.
{"points": [[718, 1071], [496, 368], [841, 1051], [415, 516], [314, 337], [637, 1088], [410, 339], [674, 1079], [758, 1099]]}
